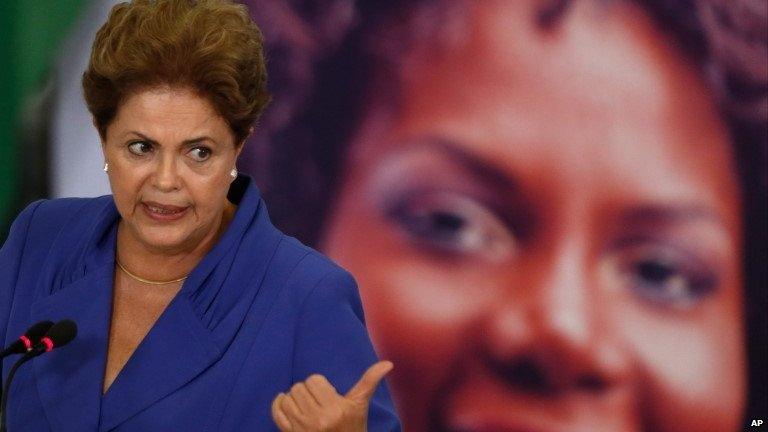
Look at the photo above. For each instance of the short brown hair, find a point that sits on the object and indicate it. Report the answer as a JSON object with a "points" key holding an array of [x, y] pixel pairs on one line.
{"points": [[209, 46]]}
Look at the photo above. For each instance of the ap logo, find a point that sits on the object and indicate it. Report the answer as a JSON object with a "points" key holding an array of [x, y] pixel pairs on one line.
{"points": [[757, 422]]}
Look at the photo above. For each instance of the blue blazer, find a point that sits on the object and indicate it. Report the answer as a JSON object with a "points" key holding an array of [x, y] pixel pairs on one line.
{"points": [[260, 312]]}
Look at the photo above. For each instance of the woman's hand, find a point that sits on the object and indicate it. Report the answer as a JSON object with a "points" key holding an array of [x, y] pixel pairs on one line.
{"points": [[314, 405]]}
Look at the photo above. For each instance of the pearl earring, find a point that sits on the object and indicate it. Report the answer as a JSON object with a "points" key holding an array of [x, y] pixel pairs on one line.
{"points": [[106, 166], [233, 173]]}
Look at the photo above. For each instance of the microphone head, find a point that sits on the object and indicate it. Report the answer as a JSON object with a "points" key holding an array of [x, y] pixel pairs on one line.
{"points": [[37, 331], [28, 340], [60, 334]]}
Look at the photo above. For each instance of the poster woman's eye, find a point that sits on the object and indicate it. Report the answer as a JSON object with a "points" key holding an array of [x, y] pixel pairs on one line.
{"points": [[139, 148], [200, 154], [453, 223], [666, 276]]}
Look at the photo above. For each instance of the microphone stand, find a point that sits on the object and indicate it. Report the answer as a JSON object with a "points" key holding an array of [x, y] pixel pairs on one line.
{"points": [[23, 345], [58, 335], [7, 387]]}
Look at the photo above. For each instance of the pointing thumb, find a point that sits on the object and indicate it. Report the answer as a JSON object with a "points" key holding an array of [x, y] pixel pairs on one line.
{"points": [[363, 390]]}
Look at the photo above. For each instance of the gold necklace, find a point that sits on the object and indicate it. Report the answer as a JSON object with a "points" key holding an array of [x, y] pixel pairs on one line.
{"points": [[146, 281]]}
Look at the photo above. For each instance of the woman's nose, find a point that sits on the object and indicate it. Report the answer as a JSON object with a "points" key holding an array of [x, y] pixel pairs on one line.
{"points": [[166, 177], [549, 335]]}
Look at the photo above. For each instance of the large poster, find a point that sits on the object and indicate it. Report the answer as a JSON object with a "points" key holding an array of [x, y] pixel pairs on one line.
{"points": [[555, 210]]}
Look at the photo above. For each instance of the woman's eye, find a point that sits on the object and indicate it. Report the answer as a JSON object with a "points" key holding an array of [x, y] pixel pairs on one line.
{"points": [[200, 154], [140, 148], [454, 223], [668, 277]]}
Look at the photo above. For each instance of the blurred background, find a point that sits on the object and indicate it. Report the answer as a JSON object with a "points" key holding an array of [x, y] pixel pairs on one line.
{"points": [[514, 186], [30, 41]]}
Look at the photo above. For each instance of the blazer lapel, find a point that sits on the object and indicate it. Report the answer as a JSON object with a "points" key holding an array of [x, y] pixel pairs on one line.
{"points": [[69, 379], [156, 368], [190, 335], [194, 330]]}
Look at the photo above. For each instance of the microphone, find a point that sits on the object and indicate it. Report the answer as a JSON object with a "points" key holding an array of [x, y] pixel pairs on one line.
{"points": [[29, 339], [25, 342], [57, 336], [60, 334]]}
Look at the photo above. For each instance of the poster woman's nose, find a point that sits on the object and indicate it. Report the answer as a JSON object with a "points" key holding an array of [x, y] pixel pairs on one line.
{"points": [[549, 334]]}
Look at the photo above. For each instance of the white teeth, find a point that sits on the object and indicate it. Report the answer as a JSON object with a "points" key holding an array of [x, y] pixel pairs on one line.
{"points": [[160, 210]]}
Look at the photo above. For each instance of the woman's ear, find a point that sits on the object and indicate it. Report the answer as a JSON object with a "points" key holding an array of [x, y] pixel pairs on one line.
{"points": [[241, 145], [102, 138]]}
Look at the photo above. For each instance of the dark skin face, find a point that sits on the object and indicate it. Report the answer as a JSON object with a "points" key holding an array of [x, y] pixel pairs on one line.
{"points": [[546, 232]]}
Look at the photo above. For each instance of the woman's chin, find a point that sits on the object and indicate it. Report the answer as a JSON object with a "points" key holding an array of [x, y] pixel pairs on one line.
{"points": [[163, 238]]}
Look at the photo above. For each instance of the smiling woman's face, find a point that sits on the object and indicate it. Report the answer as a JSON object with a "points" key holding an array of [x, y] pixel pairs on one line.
{"points": [[170, 156], [547, 233]]}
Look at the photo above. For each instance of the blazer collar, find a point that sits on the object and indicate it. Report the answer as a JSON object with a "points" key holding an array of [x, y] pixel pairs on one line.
{"points": [[197, 325], [75, 283]]}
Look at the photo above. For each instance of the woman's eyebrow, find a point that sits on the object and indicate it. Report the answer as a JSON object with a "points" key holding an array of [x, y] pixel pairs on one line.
{"points": [[142, 136], [186, 142], [667, 213], [483, 169], [671, 214], [198, 140]]}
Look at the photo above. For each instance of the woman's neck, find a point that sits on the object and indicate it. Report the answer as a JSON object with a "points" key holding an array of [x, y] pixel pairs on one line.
{"points": [[158, 264]]}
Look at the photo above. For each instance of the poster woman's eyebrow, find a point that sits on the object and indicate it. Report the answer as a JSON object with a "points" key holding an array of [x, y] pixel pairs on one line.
{"points": [[483, 169], [672, 214]]}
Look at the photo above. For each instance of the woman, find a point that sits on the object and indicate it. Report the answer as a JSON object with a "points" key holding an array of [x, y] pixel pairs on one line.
{"points": [[543, 204], [194, 312]]}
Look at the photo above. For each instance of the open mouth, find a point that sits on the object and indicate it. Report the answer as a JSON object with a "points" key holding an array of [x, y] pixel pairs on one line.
{"points": [[164, 212]]}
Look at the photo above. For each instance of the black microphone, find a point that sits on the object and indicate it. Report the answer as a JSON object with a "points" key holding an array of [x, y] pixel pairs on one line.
{"points": [[29, 339], [25, 342], [57, 336]]}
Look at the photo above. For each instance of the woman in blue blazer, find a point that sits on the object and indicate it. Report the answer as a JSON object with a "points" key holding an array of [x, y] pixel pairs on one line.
{"points": [[194, 313]]}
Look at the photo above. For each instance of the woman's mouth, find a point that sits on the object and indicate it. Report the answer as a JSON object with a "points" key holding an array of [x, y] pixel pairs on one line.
{"points": [[164, 212]]}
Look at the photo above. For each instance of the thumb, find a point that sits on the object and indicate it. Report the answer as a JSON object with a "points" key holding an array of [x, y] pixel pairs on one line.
{"points": [[364, 389]]}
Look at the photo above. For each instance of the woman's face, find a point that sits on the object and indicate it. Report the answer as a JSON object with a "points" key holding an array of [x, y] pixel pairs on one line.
{"points": [[546, 231], [170, 156]]}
